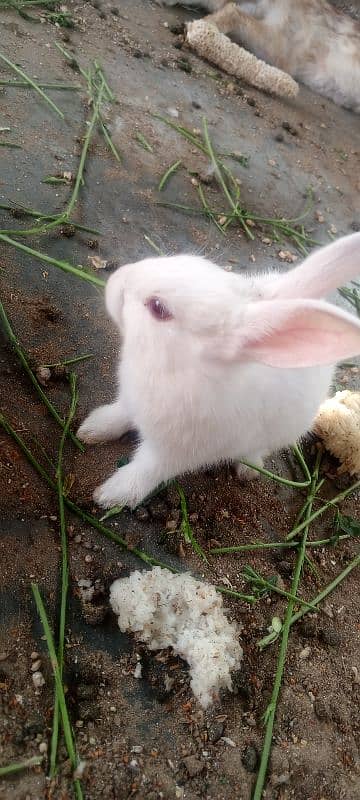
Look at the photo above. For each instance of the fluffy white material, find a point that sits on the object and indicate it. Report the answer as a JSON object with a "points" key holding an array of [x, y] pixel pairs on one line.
{"points": [[338, 425], [209, 43], [178, 611]]}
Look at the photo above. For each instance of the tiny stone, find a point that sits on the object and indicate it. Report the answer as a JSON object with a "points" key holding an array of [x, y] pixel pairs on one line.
{"points": [[35, 666], [88, 559], [77, 538], [34, 655], [43, 747], [215, 731], [250, 758], [195, 104], [305, 653], [285, 568], [290, 129], [38, 679]]}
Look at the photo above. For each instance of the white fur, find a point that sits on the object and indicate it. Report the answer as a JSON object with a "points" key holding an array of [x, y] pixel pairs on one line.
{"points": [[238, 372], [309, 39]]}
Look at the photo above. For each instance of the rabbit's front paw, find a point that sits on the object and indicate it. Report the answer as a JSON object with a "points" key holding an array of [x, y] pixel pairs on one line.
{"points": [[104, 424], [122, 489], [246, 473]]}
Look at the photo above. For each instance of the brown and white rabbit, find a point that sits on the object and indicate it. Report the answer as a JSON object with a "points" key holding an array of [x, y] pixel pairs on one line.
{"points": [[310, 39], [217, 366]]}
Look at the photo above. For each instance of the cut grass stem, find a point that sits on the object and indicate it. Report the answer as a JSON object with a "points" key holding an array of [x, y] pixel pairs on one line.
{"points": [[245, 548], [315, 514], [33, 85], [272, 707], [68, 735], [64, 570], [19, 766], [186, 529], [25, 364], [63, 265], [279, 227]]}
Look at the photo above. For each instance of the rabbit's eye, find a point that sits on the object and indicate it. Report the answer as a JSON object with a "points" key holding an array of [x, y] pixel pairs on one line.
{"points": [[158, 309]]}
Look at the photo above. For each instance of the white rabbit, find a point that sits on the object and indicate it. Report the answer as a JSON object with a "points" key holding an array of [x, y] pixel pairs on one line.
{"points": [[310, 39], [217, 366]]}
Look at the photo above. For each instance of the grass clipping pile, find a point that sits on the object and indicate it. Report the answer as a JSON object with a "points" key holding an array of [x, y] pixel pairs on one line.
{"points": [[178, 611]]}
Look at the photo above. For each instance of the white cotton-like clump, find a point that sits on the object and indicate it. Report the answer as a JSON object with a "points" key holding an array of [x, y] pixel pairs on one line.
{"points": [[338, 425], [178, 611]]}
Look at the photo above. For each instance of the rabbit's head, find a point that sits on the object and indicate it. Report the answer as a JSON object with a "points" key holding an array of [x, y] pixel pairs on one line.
{"points": [[193, 306]]}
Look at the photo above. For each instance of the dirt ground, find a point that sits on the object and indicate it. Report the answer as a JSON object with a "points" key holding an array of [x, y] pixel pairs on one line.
{"points": [[146, 737]]}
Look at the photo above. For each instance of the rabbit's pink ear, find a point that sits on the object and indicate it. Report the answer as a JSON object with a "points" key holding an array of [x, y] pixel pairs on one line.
{"points": [[321, 273], [287, 334]]}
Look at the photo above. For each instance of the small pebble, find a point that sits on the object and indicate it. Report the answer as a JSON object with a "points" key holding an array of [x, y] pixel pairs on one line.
{"points": [[305, 653], [142, 514], [290, 128], [88, 559], [250, 758], [34, 655], [78, 538], [43, 747], [38, 679], [215, 731], [35, 666]]}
